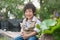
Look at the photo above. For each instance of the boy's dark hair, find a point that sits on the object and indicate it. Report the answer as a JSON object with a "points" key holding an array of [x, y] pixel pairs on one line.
{"points": [[30, 6]]}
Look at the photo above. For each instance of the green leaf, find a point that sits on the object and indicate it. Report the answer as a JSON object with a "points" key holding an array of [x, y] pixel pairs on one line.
{"points": [[38, 26], [47, 32], [49, 22], [43, 26], [46, 24]]}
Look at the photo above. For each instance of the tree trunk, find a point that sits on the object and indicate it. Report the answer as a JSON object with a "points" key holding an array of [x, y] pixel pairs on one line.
{"points": [[46, 37]]}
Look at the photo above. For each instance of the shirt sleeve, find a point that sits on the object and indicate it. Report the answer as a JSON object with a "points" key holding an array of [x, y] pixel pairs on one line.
{"points": [[35, 29]]}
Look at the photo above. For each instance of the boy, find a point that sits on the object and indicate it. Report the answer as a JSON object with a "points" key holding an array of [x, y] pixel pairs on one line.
{"points": [[29, 29]]}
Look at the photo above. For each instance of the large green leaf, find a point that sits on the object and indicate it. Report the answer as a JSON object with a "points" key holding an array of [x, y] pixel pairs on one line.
{"points": [[49, 22], [46, 24]]}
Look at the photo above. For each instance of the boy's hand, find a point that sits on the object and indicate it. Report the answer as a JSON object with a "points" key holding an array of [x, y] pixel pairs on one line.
{"points": [[24, 35]]}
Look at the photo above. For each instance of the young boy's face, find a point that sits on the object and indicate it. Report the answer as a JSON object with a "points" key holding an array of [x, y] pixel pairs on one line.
{"points": [[29, 13]]}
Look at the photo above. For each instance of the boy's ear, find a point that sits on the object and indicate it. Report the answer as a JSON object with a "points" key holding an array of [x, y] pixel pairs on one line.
{"points": [[34, 14]]}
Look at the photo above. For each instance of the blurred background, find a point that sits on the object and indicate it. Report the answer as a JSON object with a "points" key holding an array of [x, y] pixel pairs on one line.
{"points": [[11, 13]]}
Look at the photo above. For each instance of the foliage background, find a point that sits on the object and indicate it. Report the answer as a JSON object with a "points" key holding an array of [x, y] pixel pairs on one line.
{"points": [[48, 9]]}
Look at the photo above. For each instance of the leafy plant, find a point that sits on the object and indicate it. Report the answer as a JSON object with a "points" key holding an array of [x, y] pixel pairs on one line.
{"points": [[47, 26], [50, 26], [11, 5], [48, 7]]}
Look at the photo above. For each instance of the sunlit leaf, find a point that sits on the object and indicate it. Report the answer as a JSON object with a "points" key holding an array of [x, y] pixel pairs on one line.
{"points": [[38, 26], [46, 24]]}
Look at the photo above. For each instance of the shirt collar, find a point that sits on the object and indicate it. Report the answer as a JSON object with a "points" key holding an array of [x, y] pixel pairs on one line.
{"points": [[34, 18]]}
